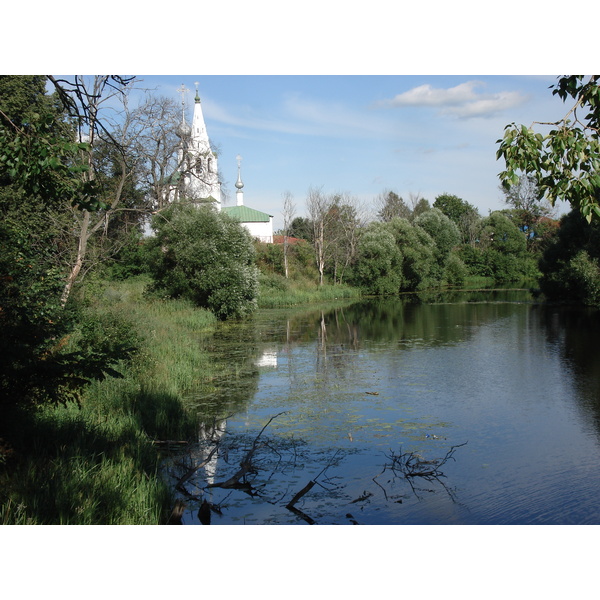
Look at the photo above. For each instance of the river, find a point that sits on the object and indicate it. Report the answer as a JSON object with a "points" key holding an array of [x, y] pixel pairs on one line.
{"points": [[463, 408]]}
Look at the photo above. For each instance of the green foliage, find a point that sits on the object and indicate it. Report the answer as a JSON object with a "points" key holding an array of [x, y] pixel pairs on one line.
{"points": [[378, 268], [463, 214], [269, 257], [205, 257], [43, 160], [130, 259], [569, 266], [474, 258], [392, 205], [421, 206], [96, 464], [301, 227], [565, 163], [442, 230], [452, 206], [455, 270], [500, 251], [418, 255], [50, 353], [500, 233], [402, 256]]}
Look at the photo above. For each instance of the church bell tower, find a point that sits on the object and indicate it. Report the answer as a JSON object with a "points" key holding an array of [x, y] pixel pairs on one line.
{"points": [[199, 162]]}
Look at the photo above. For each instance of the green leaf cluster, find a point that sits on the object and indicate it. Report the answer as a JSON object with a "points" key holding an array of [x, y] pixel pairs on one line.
{"points": [[570, 265], [206, 257], [565, 162], [43, 358], [46, 165], [500, 251]]}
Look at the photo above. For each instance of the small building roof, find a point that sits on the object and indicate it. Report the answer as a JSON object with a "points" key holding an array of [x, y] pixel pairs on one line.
{"points": [[245, 214]]}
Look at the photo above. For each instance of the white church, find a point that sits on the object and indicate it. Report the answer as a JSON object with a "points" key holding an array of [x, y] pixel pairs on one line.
{"points": [[199, 169]]}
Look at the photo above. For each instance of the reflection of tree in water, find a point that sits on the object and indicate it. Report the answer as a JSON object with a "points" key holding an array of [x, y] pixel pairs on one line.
{"points": [[228, 471], [575, 332], [234, 352], [411, 320]]}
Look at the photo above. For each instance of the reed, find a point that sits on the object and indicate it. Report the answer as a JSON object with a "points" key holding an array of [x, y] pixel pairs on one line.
{"points": [[97, 463], [277, 292]]}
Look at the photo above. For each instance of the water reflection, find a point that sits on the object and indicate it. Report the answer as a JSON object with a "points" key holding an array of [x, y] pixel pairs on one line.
{"points": [[416, 377]]}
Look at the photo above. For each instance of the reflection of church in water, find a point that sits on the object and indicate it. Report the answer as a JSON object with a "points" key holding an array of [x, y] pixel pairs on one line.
{"points": [[210, 435], [198, 175]]}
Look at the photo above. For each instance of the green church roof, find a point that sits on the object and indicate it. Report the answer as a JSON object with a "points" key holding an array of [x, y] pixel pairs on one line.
{"points": [[245, 214]]}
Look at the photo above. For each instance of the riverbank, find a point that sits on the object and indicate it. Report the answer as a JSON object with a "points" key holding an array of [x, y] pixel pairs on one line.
{"points": [[99, 463]]}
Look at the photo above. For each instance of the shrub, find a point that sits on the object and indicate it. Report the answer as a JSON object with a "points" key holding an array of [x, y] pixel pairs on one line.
{"points": [[206, 257], [418, 255], [455, 271], [569, 266], [443, 231], [378, 268]]}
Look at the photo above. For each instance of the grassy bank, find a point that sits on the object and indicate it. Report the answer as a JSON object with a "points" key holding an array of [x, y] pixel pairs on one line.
{"points": [[98, 464], [277, 292]]}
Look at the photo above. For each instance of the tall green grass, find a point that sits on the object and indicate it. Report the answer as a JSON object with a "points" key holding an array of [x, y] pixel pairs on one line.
{"points": [[97, 463], [277, 292]]}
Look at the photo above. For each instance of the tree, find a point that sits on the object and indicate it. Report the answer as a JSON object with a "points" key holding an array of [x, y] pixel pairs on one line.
{"points": [[47, 183], [565, 162], [418, 255], [419, 205], [91, 96], [318, 206], [205, 257], [465, 215], [378, 268], [302, 228], [391, 205], [40, 154], [344, 224], [288, 214], [444, 233], [504, 249], [529, 206], [570, 265], [156, 135]]}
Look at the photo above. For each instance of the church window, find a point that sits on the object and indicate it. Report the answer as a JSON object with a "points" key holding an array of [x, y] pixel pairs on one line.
{"points": [[198, 166]]}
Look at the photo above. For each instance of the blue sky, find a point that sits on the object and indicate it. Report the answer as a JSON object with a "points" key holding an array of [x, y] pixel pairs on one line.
{"points": [[405, 97], [363, 134]]}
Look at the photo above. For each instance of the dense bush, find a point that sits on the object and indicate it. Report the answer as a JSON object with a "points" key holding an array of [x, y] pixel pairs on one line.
{"points": [[500, 251], [418, 249], [378, 269], [455, 270], [443, 231], [206, 257], [570, 265]]}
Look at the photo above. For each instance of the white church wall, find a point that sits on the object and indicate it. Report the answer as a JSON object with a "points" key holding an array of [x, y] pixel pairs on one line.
{"points": [[262, 231]]}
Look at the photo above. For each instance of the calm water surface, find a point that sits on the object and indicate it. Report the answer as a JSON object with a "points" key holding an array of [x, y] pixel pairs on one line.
{"points": [[509, 387]]}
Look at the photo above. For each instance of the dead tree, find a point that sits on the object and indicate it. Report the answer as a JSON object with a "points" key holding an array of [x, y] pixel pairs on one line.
{"points": [[411, 465]]}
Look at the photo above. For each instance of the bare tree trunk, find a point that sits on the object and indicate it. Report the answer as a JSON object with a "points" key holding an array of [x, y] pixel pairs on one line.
{"points": [[318, 205], [81, 251], [89, 222], [288, 214]]}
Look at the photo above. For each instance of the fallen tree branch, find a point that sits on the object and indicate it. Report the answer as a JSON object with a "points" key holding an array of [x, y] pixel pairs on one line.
{"points": [[179, 485], [246, 465], [301, 493]]}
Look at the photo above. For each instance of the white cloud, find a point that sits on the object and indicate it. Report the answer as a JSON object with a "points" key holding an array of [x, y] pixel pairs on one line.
{"points": [[463, 100], [302, 116]]}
